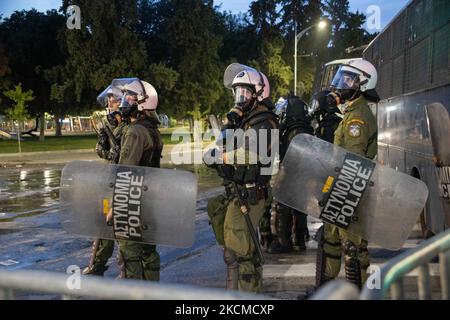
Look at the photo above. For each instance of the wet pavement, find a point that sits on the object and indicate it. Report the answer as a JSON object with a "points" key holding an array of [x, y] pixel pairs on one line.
{"points": [[31, 237]]}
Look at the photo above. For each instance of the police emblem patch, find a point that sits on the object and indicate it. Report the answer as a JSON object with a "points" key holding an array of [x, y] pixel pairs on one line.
{"points": [[354, 130]]}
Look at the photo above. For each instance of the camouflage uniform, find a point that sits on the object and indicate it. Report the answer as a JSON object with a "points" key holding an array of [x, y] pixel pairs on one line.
{"points": [[358, 134], [217, 208], [141, 146], [105, 246], [244, 269]]}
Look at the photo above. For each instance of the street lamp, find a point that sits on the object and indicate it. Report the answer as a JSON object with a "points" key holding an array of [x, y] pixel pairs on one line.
{"points": [[321, 25]]}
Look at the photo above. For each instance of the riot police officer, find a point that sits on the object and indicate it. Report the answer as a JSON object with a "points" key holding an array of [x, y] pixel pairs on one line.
{"points": [[327, 114], [108, 150], [141, 145], [287, 223], [251, 115], [354, 85]]}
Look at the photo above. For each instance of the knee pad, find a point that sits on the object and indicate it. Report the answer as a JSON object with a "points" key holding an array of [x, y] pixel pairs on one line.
{"points": [[350, 249], [229, 256], [352, 264]]}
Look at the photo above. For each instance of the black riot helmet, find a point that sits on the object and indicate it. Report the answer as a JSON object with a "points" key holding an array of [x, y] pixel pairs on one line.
{"points": [[294, 113]]}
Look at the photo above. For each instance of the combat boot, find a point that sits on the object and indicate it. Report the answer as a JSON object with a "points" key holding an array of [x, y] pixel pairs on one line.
{"points": [[300, 244], [276, 247], [282, 242], [266, 240], [300, 231]]}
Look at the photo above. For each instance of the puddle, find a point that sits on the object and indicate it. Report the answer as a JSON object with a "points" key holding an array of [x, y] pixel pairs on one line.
{"points": [[32, 192]]}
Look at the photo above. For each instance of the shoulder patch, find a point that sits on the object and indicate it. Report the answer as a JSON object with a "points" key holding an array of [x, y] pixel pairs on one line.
{"points": [[354, 129]]}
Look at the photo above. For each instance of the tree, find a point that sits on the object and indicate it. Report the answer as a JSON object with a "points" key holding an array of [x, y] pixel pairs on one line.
{"points": [[347, 27], [293, 16], [105, 48], [19, 110], [31, 47], [4, 71], [193, 47], [164, 79], [275, 68], [265, 16]]}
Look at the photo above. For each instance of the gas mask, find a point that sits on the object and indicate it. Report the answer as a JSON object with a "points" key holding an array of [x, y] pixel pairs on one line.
{"points": [[244, 101], [346, 85]]}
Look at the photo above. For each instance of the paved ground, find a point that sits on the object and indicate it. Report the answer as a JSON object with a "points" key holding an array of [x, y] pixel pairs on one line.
{"points": [[31, 236], [30, 159]]}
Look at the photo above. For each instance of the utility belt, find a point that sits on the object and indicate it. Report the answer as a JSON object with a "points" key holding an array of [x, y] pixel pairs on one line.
{"points": [[253, 193]]}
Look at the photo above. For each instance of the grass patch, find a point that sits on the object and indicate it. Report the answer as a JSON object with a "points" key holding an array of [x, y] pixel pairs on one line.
{"points": [[51, 143]]}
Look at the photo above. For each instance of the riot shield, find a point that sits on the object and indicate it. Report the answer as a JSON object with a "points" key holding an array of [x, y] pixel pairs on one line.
{"points": [[365, 198], [142, 204]]}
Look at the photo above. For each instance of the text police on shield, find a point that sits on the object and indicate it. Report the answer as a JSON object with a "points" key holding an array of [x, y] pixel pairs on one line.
{"points": [[127, 221], [347, 190]]}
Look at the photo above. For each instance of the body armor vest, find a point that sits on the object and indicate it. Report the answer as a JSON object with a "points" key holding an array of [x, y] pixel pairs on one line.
{"points": [[252, 173]]}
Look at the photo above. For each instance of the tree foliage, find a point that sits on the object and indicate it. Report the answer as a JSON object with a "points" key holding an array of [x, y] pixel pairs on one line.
{"points": [[19, 97], [181, 46]]}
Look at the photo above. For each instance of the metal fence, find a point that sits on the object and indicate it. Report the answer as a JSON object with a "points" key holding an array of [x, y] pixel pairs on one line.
{"points": [[393, 272], [418, 258], [101, 288], [391, 275]]}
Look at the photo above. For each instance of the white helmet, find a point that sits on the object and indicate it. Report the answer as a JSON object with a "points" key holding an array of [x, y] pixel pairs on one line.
{"points": [[355, 74], [239, 77], [140, 93]]}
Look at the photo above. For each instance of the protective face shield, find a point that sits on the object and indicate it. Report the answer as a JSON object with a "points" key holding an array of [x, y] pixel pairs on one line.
{"points": [[244, 80], [113, 103], [138, 93], [128, 103], [313, 108], [280, 106], [110, 98], [346, 84], [243, 96], [344, 80], [240, 75], [355, 76]]}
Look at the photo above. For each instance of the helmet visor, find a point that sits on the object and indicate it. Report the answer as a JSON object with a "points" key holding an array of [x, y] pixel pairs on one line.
{"points": [[242, 94], [315, 106], [128, 100], [280, 107], [113, 103], [345, 80], [109, 96]]}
